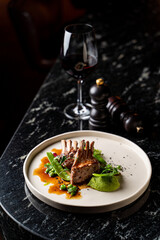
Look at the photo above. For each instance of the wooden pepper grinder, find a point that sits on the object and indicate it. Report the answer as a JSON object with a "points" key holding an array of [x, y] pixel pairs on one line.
{"points": [[99, 115], [121, 114]]}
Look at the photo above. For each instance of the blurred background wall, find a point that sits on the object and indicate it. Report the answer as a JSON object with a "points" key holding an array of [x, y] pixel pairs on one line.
{"points": [[30, 37], [22, 75]]}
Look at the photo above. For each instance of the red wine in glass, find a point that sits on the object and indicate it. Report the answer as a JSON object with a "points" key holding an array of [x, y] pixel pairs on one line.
{"points": [[75, 66], [79, 58]]}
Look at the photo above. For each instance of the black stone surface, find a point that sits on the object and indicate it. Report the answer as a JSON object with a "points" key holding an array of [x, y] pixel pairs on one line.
{"points": [[129, 61]]}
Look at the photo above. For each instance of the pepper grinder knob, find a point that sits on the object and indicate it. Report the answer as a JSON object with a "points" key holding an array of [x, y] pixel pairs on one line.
{"points": [[121, 114], [99, 94]]}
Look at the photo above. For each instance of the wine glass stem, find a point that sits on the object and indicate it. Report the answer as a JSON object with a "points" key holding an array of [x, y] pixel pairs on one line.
{"points": [[79, 94]]}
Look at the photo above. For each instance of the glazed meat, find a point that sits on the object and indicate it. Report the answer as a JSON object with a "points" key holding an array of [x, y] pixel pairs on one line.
{"points": [[80, 160], [69, 151], [84, 163]]}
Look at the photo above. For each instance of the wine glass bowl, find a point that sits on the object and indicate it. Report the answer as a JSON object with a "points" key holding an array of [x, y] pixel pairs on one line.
{"points": [[79, 58]]}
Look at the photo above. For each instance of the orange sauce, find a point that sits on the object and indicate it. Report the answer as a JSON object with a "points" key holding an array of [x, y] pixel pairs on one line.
{"points": [[57, 151], [55, 182]]}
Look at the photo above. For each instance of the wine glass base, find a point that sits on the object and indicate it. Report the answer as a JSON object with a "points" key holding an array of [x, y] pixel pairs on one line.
{"points": [[73, 112]]}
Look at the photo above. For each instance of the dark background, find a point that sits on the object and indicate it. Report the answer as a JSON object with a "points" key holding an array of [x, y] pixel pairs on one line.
{"points": [[19, 78], [22, 68]]}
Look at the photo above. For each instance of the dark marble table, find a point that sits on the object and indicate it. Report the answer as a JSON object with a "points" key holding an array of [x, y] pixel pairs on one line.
{"points": [[129, 61]]}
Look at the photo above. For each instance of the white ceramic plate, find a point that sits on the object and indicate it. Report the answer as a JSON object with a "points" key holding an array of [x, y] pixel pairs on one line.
{"points": [[120, 151]]}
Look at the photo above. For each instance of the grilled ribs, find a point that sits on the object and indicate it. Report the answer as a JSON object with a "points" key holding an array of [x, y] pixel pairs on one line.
{"points": [[69, 152], [80, 160]]}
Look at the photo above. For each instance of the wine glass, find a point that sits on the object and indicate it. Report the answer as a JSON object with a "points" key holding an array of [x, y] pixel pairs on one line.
{"points": [[79, 57]]}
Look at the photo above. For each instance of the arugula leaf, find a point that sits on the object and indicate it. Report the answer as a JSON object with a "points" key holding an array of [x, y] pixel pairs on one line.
{"points": [[99, 156], [112, 170]]}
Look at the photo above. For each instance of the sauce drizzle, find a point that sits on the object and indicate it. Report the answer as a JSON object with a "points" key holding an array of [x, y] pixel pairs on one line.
{"points": [[54, 182]]}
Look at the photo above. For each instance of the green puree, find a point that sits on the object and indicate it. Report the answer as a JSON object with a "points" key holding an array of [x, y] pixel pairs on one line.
{"points": [[104, 183], [108, 178]]}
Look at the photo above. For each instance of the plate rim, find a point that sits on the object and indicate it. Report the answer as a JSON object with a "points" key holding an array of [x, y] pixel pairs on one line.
{"points": [[76, 208]]}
